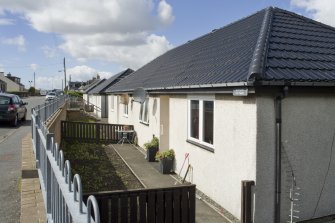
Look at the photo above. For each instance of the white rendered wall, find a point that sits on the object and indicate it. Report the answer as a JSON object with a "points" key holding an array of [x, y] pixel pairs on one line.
{"points": [[144, 132], [265, 167], [308, 127], [85, 97], [308, 131], [112, 111], [219, 174]]}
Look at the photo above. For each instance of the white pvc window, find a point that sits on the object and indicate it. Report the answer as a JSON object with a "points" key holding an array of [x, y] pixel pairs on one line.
{"points": [[125, 109], [144, 113], [201, 121]]}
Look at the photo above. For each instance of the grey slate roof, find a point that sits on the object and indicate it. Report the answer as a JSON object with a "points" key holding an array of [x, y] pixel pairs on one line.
{"points": [[270, 46], [103, 87], [93, 85]]}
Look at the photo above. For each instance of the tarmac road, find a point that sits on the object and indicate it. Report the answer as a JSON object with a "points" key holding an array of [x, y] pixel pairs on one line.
{"points": [[10, 164]]}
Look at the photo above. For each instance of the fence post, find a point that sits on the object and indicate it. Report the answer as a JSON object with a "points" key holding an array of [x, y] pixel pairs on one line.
{"points": [[246, 201], [48, 172], [97, 132]]}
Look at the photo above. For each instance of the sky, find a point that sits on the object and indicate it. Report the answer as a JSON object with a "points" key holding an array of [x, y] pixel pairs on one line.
{"points": [[107, 36]]}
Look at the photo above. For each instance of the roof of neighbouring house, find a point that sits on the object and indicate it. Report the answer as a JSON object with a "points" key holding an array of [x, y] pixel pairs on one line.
{"points": [[108, 84], [272, 46], [93, 85]]}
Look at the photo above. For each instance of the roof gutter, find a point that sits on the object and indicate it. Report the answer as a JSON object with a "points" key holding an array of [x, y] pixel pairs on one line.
{"points": [[189, 87]]}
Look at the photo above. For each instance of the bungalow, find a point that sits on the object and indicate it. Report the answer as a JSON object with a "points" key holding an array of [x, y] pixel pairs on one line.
{"points": [[98, 95], [253, 100], [86, 95]]}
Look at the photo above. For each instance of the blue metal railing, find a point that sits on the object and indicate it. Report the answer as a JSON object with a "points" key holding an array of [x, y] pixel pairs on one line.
{"points": [[62, 196]]}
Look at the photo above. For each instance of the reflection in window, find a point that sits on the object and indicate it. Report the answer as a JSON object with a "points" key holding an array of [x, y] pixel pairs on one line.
{"points": [[208, 121], [194, 119], [144, 114]]}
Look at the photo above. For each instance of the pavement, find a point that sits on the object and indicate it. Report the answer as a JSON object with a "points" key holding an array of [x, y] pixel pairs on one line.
{"points": [[150, 177], [32, 205]]}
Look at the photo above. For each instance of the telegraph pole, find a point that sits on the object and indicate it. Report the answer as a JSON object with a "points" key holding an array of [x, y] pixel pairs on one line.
{"points": [[64, 75], [34, 81]]}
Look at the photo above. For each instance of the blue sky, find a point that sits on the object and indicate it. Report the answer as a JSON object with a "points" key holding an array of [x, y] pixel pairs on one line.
{"points": [[36, 35]]}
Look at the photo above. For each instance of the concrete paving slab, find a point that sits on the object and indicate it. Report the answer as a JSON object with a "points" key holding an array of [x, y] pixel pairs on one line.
{"points": [[152, 178]]}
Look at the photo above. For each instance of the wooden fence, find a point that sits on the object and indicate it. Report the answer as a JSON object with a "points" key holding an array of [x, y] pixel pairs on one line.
{"points": [[94, 132], [155, 205]]}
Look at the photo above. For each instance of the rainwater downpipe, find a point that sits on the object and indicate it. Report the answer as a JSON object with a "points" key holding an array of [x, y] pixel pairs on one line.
{"points": [[278, 141]]}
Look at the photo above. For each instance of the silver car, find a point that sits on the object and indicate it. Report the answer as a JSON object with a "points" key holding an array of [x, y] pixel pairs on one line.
{"points": [[50, 96]]}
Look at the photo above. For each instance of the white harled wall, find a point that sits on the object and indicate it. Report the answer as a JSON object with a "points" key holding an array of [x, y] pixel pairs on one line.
{"points": [[308, 128], [219, 174], [144, 131]]}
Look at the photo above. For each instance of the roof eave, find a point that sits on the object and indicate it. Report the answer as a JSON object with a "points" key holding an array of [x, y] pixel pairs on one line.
{"points": [[297, 83]]}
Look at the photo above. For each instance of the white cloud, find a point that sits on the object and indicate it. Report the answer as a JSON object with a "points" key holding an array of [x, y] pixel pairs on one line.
{"points": [[320, 10], [77, 73], [165, 12], [49, 52], [120, 31], [18, 41], [33, 66], [133, 56]]}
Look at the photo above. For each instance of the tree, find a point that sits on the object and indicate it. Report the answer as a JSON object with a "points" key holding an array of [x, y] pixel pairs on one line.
{"points": [[32, 90]]}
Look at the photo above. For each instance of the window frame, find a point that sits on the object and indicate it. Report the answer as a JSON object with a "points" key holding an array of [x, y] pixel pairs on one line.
{"points": [[125, 110], [201, 141], [144, 109]]}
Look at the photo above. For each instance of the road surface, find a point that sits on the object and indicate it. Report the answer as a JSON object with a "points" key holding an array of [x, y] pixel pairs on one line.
{"points": [[10, 164]]}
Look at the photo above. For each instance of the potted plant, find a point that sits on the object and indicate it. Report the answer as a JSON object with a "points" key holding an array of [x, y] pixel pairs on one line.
{"points": [[166, 159], [152, 149]]}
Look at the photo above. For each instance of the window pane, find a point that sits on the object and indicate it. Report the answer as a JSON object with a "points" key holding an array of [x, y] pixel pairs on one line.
{"points": [[141, 112], [112, 102], [145, 118], [194, 119], [125, 109], [208, 121]]}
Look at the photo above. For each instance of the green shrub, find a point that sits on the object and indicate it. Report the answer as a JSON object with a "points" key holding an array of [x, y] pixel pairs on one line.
{"points": [[153, 144], [169, 154], [75, 94]]}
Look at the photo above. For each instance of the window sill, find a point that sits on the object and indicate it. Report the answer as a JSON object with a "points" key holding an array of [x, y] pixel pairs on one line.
{"points": [[200, 145], [144, 123], [126, 116]]}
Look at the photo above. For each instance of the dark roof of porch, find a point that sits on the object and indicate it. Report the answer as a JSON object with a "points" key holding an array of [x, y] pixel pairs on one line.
{"points": [[272, 46], [106, 85]]}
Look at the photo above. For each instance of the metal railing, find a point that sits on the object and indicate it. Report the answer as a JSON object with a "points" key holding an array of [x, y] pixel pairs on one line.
{"points": [[77, 102], [62, 196]]}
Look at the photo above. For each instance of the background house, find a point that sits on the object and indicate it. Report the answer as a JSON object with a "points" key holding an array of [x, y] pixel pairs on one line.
{"points": [[3, 86], [98, 94], [86, 96], [253, 100], [13, 83]]}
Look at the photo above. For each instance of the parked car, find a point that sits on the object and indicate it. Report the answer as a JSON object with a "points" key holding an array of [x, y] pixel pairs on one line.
{"points": [[50, 96], [12, 108]]}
